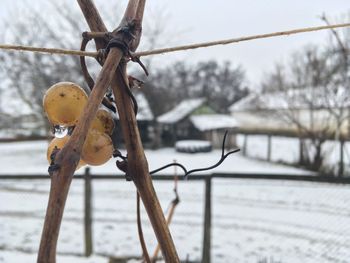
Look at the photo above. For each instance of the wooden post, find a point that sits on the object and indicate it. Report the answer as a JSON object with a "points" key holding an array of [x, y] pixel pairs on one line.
{"points": [[244, 150], [88, 213], [207, 222], [341, 159], [157, 136], [174, 131], [301, 151], [268, 158]]}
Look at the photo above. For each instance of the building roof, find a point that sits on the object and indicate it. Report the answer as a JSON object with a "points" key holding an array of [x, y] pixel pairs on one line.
{"points": [[267, 101], [181, 111], [207, 122], [319, 98], [144, 113]]}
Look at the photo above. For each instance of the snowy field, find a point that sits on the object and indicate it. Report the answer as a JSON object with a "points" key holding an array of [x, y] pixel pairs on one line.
{"points": [[253, 220]]}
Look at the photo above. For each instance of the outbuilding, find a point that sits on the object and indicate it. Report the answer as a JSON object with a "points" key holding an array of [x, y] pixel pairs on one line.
{"points": [[193, 119]]}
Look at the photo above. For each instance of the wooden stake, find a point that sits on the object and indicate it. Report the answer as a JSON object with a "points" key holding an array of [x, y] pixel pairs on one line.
{"points": [[67, 160], [173, 205], [137, 162]]}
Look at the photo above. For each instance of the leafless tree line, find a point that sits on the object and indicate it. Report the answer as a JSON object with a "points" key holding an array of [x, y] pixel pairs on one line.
{"points": [[27, 76], [313, 88]]}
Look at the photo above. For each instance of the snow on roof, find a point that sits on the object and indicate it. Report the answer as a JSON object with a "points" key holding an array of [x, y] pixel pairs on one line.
{"points": [[245, 103], [213, 121], [296, 99], [182, 110], [260, 101], [144, 113]]}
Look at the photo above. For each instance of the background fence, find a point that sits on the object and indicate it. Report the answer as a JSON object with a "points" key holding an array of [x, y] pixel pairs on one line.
{"points": [[287, 148], [208, 205]]}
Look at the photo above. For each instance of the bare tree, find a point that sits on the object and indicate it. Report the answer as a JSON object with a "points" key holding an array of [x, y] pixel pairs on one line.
{"points": [[339, 48], [311, 98], [221, 84], [28, 75]]}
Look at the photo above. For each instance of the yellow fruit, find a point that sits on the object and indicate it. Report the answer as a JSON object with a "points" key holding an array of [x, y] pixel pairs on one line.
{"points": [[97, 148], [103, 122], [57, 144], [64, 102]]}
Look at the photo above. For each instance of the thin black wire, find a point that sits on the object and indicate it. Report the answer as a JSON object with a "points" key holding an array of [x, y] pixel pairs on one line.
{"points": [[187, 173], [167, 166]]}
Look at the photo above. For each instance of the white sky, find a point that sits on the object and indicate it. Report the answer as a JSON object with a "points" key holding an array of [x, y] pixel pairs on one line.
{"points": [[204, 20]]}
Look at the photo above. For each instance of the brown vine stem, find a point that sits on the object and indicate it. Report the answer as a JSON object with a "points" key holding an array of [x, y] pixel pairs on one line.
{"points": [[67, 159], [172, 49], [137, 162], [145, 254], [173, 205]]}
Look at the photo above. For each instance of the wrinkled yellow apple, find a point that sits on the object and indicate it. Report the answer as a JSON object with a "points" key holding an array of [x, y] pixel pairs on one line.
{"points": [[97, 148], [64, 102], [103, 122], [58, 143]]}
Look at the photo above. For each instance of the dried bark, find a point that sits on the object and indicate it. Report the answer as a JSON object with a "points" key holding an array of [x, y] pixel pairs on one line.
{"points": [[67, 159]]}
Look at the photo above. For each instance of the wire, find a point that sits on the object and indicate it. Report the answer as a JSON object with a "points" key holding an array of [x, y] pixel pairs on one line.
{"points": [[173, 49], [187, 173]]}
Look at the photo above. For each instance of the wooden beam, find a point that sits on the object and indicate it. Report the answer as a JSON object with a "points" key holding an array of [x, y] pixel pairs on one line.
{"points": [[137, 162], [206, 249], [88, 213]]}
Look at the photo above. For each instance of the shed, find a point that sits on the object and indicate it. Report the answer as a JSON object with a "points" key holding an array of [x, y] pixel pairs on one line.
{"points": [[213, 127], [194, 119]]}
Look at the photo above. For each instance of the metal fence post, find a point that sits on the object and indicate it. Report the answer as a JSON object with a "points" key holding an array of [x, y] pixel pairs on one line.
{"points": [[341, 161], [301, 151], [268, 148], [244, 150], [207, 222], [87, 213]]}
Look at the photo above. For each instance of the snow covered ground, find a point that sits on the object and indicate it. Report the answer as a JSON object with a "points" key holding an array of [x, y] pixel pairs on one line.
{"points": [[30, 158], [253, 220]]}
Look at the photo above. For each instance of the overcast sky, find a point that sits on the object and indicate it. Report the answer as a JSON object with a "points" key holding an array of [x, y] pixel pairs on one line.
{"points": [[204, 20]]}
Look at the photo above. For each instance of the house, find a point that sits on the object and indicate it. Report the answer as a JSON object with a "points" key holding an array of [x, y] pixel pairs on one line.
{"points": [[194, 119], [288, 111]]}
